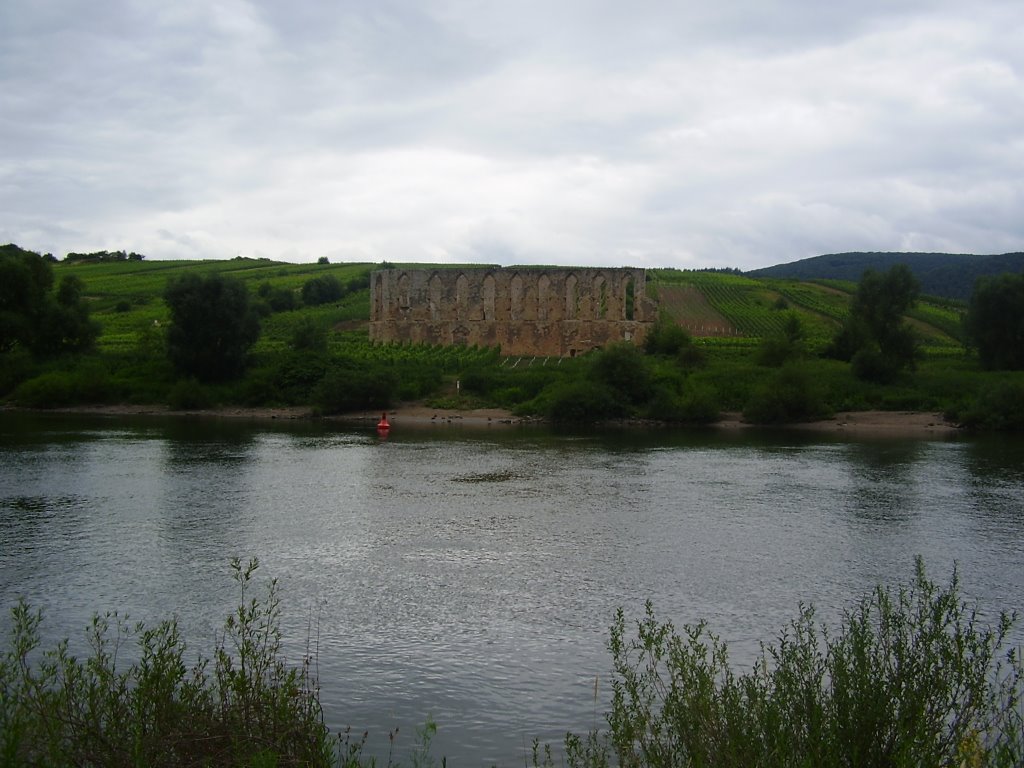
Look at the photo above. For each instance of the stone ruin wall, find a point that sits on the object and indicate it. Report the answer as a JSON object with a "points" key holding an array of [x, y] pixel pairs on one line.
{"points": [[550, 312]]}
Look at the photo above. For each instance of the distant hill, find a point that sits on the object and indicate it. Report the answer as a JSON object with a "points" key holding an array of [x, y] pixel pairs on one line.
{"points": [[940, 274]]}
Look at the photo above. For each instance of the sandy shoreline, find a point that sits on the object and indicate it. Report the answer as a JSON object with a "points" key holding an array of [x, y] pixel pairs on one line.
{"points": [[866, 423]]}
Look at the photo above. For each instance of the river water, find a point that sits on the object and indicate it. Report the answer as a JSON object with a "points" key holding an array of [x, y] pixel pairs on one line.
{"points": [[470, 575]]}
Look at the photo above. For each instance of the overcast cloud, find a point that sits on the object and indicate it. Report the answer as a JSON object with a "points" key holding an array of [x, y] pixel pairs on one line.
{"points": [[687, 134]]}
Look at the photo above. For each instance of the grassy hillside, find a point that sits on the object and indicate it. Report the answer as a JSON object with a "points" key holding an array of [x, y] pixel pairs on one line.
{"points": [[126, 299], [716, 305], [126, 296], [722, 364]]}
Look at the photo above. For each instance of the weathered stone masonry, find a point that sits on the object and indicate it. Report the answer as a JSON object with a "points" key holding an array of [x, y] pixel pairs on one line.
{"points": [[532, 311]]}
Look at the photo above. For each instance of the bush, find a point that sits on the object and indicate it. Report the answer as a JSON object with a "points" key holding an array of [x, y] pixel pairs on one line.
{"points": [[579, 402], [789, 396], [15, 367], [308, 335], [999, 408], [910, 679], [89, 384], [245, 706], [696, 405], [623, 369], [666, 338], [348, 388], [321, 290], [189, 395]]}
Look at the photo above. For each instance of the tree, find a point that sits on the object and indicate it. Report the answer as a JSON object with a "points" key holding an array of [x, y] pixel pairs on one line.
{"points": [[995, 321], [67, 326], [31, 316], [874, 337], [321, 290], [623, 369], [212, 326]]}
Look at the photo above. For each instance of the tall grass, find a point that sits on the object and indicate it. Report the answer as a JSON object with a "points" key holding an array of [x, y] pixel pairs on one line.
{"points": [[911, 678], [245, 706]]}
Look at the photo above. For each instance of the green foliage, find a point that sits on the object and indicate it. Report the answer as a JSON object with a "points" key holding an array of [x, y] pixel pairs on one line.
{"points": [[308, 336], [348, 387], [667, 338], [911, 678], [277, 298], [791, 395], [322, 290], [34, 318], [624, 370], [875, 329], [995, 321], [15, 367], [785, 345], [55, 388], [245, 706], [696, 404], [212, 326], [189, 395], [998, 408], [579, 401]]}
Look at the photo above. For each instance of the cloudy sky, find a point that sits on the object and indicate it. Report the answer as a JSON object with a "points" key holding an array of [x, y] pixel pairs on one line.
{"points": [[740, 133]]}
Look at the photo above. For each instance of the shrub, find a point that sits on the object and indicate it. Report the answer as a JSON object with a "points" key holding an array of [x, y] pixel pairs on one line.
{"points": [[89, 383], [666, 338], [308, 335], [911, 678], [623, 369], [348, 388], [15, 367], [695, 405], [321, 290], [245, 706], [999, 408], [789, 396], [579, 402], [189, 395]]}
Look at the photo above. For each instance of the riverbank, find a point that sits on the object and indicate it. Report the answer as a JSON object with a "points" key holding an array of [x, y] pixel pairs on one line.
{"points": [[863, 423]]}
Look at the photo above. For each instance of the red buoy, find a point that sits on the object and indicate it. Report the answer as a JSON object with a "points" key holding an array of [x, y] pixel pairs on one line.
{"points": [[382, 425]]}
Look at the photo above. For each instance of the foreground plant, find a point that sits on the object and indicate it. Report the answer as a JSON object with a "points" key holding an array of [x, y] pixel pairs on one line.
{"points": [[911, 679], [247, 707]]}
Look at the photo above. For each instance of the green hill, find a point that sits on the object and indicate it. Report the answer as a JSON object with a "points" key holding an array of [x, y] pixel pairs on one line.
{"points": [[717, 305]]}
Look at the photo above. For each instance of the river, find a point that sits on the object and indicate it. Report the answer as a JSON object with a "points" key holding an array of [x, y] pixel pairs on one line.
{"points": [[470, 575]]}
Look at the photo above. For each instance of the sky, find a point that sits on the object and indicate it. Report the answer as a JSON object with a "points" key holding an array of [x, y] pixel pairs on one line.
{"points": [[689, 134]]}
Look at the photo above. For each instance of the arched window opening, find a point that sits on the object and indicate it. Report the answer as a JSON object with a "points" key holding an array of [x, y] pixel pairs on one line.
{"points": [[461, 297], [600, 298], [489, 293], [516, 297], [543, 297], [436, 293]]}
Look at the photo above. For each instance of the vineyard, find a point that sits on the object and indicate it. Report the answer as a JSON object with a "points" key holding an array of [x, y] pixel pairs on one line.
{"points": [[715, 306], [448, 359], [721, 309]]}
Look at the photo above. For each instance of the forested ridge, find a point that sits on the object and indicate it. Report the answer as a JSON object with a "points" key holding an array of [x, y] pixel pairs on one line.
{"points": [[952, 275]]}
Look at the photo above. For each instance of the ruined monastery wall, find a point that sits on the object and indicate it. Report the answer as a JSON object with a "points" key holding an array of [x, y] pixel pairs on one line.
{"points": [[553, 312]]}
